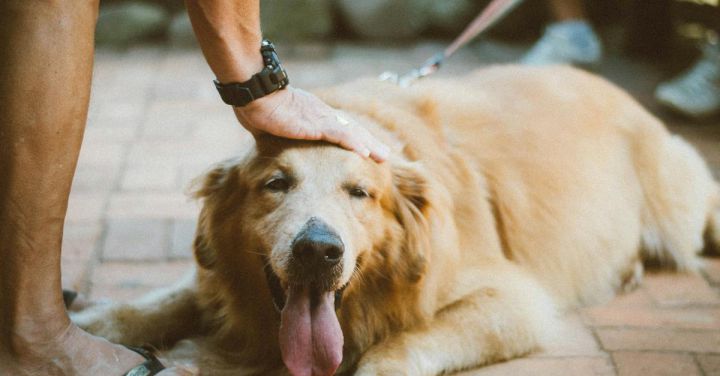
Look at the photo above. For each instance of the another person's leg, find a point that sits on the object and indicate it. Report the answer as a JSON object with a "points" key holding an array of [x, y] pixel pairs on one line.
{"points": [[568, 40], [45, 71], [696, 92], [567, 10]]}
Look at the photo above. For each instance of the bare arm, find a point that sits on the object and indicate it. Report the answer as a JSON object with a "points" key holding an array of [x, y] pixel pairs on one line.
{"points": [[229, 34]]}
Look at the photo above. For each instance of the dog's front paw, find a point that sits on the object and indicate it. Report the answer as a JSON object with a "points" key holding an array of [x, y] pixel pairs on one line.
{"points": [[380, 370], [103, 321], [384, 367]]}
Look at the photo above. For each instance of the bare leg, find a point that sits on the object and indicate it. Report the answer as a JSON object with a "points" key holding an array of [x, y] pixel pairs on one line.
{"points": [[566, 10], [569, 39], [45, 71]]}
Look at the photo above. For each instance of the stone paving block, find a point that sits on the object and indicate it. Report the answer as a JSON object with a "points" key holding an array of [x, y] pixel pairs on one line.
{"points": [[170, 205], [140, 274], [222, 128], [120, 294], [574, 340], [313, 74], [680, 290], [78, 248], [86, 207], [183, 234], [595, 366], [101, 135], [129, 126], [135, 239], [655, 364], [126, 281], [102, 154], [181, 88], [173, 119], [683, 318], [120, 106], [89, 178], [74, 274], [177, 152], [161, 152], [183, 63], [683, 340], [638, 298], [145, 177], [710, 364], [80, 240]]}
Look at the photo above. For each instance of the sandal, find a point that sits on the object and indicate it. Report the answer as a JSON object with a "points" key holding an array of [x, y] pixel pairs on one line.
{"points": [[151, 366]]}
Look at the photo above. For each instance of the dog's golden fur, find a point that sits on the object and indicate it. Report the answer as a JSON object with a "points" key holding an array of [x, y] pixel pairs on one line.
{"points": [[511, 195]]}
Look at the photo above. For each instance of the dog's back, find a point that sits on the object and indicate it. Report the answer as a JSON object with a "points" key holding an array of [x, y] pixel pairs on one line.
{"points": [[585, 184]]}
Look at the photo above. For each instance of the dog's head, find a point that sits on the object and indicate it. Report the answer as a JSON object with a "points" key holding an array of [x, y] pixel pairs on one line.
{"points": [[316, 216]]}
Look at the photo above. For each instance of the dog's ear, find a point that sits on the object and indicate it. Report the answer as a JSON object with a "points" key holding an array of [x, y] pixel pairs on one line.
{"points": [[411, 184], [217, 188], [211, 182], [412, 208], [205, 254]]}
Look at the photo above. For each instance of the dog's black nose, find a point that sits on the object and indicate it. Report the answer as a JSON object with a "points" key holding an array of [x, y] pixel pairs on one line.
{"points": [[317, 245]]}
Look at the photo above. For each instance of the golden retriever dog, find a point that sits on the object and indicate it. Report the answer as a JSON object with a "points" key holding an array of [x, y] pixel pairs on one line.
{"points": [[511, 195]]}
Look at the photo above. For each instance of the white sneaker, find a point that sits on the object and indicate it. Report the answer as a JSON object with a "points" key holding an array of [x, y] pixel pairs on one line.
{"points": [[568, 42], [695, 93]]}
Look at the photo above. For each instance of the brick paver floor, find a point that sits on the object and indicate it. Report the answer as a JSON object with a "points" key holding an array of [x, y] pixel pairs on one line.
{"points": [[155, 122]]}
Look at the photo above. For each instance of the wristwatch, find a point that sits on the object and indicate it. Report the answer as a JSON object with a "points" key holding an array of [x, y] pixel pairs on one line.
{"points": [[271, 79]]}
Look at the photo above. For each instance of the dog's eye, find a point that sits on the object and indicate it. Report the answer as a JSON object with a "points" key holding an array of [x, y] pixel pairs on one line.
{"points": [[358, 192], [277, 184]]}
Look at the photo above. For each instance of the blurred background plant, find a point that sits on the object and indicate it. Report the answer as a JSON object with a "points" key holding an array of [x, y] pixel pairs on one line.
{"points": [[669, 34], [646, 27]]}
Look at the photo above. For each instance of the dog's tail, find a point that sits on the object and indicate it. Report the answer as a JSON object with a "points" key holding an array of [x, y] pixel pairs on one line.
{"points": [[681, 201]]}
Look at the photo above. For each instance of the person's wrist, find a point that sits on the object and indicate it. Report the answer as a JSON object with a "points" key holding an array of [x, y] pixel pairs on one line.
{"points": [[244, 88], [264, 104], [246, 65]]}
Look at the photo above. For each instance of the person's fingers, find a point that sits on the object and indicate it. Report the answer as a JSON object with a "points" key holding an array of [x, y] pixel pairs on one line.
{"points": [[355, 138], [346, 138], [379, 152], [297, 114]]}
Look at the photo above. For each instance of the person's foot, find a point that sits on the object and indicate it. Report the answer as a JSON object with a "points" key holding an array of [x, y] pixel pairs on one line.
{"points": [[75, 353], [567, 42], [696, 92]]}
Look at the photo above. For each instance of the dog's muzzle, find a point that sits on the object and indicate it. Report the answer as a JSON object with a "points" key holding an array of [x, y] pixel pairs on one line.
{"points": [[278, 293], [315, 262]]}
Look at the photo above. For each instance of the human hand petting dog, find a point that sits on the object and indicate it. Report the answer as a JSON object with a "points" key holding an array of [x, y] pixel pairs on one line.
{"points": [[297, 114], [230, 37]]}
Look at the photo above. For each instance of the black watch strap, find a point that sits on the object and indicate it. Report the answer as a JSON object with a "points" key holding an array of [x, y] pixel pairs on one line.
{"points": [[271, 79]]}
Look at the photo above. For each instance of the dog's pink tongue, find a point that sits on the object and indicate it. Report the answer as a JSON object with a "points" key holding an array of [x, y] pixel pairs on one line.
{"points": [[311, 340]]}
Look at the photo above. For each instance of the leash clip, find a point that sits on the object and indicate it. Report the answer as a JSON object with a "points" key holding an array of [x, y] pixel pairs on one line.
{"points": [[491, 14], [430, 66]]}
